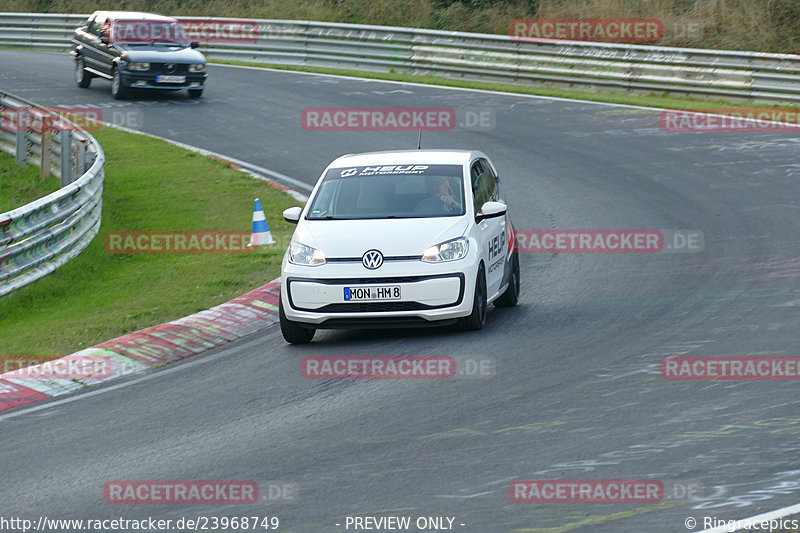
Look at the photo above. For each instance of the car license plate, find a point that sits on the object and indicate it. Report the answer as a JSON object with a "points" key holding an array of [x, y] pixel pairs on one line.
{"points": [[170, 79], [368, 294]]}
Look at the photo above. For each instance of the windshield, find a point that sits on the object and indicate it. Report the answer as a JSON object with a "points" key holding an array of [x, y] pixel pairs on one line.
{"points": [[389, 191], [148, 31]]}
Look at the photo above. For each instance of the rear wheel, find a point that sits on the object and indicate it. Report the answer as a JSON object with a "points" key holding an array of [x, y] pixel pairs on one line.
{"points": [[118, 89], [511, 296], [82, 78], [292, 332], [477, 318]]}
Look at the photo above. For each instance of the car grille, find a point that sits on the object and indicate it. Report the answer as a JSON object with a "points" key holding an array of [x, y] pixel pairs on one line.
{"points": [[161, 68]]}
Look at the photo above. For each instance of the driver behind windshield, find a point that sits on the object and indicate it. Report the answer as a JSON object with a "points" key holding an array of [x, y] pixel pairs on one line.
{"points": [[440, 197]]}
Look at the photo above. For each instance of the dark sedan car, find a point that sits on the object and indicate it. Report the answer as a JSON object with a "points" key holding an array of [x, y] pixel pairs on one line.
{"points": [[137, 50]]}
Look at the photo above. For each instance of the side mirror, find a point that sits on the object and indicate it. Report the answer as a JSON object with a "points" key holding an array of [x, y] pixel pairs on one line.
{"points": [[292, 214], [194, 44], [491, 210]]}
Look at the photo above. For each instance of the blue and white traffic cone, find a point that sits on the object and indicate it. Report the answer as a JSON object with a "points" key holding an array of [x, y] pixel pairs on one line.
{"points": [[261, 234]]}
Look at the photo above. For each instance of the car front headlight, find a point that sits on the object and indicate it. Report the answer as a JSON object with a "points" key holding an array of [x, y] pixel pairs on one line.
{"points": [[139, 66], [451, 250], [300, 254], [197, 67]]}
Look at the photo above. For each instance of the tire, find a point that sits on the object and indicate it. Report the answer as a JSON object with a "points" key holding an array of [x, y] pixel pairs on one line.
{"points": [[511, 296], [82, 78], [118, 90], [195, 93], [477, 318], [292, 332]]}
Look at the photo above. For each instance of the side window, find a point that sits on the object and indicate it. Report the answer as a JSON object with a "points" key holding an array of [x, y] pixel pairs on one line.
{"points": [[93, 27], [477, 170], [481, 188], [493, 183], [500, 196]]}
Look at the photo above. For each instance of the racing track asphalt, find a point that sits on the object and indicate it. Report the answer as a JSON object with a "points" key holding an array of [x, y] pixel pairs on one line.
{"points": [[576, 394]]}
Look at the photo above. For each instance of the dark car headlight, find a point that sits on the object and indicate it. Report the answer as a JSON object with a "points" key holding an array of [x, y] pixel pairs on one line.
{"points": [[197, 67], [141, 67]]}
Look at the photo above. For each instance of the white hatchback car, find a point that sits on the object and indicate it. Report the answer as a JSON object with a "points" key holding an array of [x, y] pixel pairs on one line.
{"points": [[401, 238]]}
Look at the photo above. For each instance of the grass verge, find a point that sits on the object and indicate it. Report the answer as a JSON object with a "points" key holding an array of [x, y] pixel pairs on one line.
{"points": [[149, 186], [21, 185]]}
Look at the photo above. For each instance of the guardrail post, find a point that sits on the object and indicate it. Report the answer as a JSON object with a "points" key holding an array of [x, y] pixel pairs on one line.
{"points": [[21, 153], [66, 155], [79, 159], [44, 168], [88, 159]]}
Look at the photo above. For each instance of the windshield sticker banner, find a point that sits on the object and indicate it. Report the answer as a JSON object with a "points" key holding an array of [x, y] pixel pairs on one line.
{"points": [[389, 170]]}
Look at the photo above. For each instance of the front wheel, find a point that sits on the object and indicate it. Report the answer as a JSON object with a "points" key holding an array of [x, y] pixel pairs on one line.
{"points": [[511, 296], [118, 89], [477, 318], [292, 332], [82, 78]]}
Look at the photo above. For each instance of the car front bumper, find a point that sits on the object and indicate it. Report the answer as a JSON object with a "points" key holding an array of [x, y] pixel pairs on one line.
{"points": [[430, 293], [147, 80]]}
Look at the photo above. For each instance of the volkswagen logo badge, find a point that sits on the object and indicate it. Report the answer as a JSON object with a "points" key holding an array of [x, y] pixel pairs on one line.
{"points": [[372, 259]]}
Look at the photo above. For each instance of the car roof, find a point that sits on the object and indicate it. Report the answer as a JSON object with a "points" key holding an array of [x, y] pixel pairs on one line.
{"points": [[406, 157], [132, 15]]}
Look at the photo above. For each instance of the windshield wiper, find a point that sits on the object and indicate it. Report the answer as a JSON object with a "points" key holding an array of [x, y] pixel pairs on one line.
{"points": [[326, 217]]}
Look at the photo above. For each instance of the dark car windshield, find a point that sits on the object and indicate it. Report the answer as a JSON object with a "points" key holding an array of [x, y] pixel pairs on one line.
{"points": [[389, 191], [148, 31]]}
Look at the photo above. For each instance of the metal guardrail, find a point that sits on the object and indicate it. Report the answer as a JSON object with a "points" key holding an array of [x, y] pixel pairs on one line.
{"points": [[498, 58], [37, 238]]}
